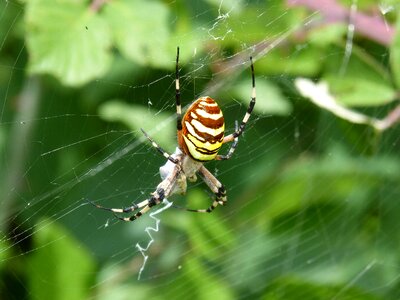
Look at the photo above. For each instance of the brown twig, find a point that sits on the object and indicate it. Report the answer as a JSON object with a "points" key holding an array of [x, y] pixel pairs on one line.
{"points": [[320, 95], [97, 4], [372, 27], [391, 119]]}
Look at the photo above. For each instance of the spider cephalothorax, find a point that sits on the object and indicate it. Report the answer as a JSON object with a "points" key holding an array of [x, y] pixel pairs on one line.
{"points": [[200, 136]]}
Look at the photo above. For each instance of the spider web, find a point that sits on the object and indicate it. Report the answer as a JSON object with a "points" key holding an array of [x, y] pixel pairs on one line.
{"points": [[312, 190]]}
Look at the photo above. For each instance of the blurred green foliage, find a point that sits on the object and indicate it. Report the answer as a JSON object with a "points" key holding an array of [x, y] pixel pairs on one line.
{"points": [[313, 199]]}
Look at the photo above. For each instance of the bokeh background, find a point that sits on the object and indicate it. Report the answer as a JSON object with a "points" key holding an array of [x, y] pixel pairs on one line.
{"points": [[313, 188]]}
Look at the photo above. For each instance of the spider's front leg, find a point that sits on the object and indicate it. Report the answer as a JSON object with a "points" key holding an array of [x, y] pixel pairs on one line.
{"points": [[156, 198], [164, 189]]}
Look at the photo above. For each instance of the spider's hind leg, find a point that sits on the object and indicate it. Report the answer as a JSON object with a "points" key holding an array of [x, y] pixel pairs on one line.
{"points": [[216, 187]]}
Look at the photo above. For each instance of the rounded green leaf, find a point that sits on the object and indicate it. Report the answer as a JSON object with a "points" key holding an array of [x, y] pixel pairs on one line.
{"points": [[360, 82], [270, 99], [361, 92], [67, 40], [141, 31]]}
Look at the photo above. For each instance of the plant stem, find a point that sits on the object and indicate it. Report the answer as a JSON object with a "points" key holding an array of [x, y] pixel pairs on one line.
{"points": [[18, 147]]}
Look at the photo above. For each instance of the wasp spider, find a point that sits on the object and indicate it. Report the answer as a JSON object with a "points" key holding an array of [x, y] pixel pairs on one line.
{"points": [[200, 136]]}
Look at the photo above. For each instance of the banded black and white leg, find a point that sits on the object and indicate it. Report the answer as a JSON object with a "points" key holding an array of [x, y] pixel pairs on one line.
{"points": [[233, 137], [163, 191], [158, 148], [232, 147], [156, 198], [216, 187], [178, 95]]}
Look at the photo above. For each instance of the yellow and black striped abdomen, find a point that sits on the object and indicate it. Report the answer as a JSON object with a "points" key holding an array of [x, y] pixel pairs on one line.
{"points": [[202, 129]]}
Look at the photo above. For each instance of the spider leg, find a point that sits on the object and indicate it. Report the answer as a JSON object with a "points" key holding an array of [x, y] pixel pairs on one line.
{"points": [[121, 210], [216, 187], [178, 95], [237, 133], [159, 149], [157, 197], [232, 147], [163, 190]]}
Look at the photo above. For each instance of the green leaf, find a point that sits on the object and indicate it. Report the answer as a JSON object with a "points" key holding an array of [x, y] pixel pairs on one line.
{"points": [[67, 40], [361, 92], [5, 253], [209, 235], [326, 35], [141, 31], [122, 289], [160, 126], [9, 18], [62, 268], [395, 53], [270, 99], [360, 82], [188, 34], [227, 6], [292, 288], [299, 184], [205, 285], [251, 259], [296, 61], [243, 22]]}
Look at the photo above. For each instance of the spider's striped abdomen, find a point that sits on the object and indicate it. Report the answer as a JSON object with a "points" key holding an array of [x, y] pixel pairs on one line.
{"points": [[202, 129]]}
